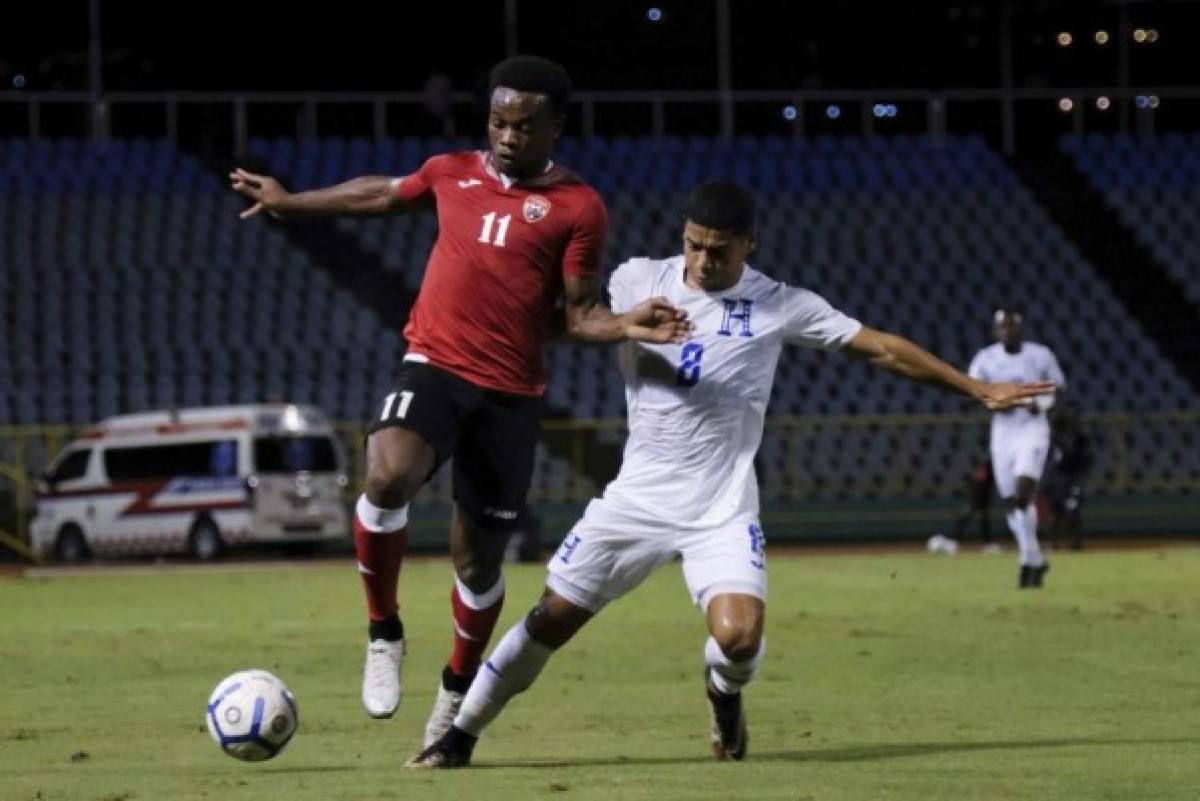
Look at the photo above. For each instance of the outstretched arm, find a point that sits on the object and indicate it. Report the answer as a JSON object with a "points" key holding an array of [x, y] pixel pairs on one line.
{"points": [[588, 319], [370, 194], [901, 356]]}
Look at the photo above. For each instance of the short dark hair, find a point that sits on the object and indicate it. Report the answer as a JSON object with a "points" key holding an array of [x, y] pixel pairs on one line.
{"points": [[722, 205], [533, 74]]}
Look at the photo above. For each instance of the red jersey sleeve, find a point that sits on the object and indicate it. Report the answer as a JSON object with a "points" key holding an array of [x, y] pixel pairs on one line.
{"points": [[586, 246], [418, 186]]}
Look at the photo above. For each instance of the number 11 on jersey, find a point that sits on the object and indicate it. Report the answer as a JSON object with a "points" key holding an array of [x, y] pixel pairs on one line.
{"points": [[489, 219]]}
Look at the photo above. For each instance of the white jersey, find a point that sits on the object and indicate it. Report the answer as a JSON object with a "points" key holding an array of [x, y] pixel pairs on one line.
{"points": [[696, 410], [1033, 362]]}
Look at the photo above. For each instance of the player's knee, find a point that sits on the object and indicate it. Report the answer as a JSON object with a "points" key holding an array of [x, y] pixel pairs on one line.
{"points": [[555, 620], [1021, 499], [736, 624], [398, 463], [739, 643], [390, 486]]}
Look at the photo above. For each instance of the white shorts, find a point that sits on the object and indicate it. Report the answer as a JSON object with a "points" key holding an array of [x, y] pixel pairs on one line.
{"points": [[1024, 455], [613, 548]]}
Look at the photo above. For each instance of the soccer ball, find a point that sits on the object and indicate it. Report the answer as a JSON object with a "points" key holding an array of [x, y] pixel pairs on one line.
{"points": [[940, 544], [252, 715]]}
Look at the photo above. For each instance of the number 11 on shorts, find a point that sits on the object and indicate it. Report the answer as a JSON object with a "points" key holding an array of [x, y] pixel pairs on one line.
{"points": [[401, 410]]}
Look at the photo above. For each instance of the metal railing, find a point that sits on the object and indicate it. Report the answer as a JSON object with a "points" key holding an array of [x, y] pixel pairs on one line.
{"points": [[800, 110], [824, 458]]}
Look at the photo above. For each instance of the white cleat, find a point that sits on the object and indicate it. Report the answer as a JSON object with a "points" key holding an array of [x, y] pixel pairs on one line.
{"points": [[445, 709], [381, 677]]}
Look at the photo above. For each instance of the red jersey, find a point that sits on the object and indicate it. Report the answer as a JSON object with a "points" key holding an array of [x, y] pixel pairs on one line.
{"points": [[497, 268]]}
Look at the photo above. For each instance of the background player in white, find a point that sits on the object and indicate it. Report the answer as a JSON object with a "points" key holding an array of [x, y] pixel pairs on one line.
{"points": [[687, 485], [1021, 435]]}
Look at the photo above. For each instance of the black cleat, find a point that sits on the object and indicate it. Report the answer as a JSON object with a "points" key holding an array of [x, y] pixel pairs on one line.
{"points": [[730, 737], [1031, 577], [452, 750]]}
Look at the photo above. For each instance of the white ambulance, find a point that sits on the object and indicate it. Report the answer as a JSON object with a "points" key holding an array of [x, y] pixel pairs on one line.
{"points": [[193, 480]]}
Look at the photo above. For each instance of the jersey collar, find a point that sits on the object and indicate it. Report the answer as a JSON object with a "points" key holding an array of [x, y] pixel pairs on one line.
{"points": [[551, 175]]}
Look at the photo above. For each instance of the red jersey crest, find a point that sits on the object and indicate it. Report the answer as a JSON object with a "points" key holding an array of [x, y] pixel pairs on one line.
{"points": [[536, 208]]}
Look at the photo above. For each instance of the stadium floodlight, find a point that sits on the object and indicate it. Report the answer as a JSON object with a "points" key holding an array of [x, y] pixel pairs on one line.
{"points": [[879, 110], [833, 111], [1152, 101], [1065, 104], [1152, 35], [789, 113], [1065, 39], [1139, 35], [1141, 101], [1103, 103], [654, 14], [1101, 37]]}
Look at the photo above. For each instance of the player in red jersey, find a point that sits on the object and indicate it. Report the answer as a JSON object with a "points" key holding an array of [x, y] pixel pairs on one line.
{"points": [[516, 232]]}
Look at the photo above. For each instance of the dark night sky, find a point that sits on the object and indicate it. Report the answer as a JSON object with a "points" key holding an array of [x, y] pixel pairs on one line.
{"points": [[352, 44]]}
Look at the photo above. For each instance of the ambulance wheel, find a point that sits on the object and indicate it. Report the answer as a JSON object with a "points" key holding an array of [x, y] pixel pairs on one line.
{"points": [[71, 545], [205, 543]]}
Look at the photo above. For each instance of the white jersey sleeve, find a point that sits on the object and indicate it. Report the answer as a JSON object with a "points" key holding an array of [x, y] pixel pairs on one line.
{"points": [[624, 285], [809, 321], [1051, 371], [978, 368]]}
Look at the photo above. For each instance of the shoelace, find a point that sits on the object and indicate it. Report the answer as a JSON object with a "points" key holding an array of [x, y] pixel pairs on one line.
{"points": [[379, 670]]}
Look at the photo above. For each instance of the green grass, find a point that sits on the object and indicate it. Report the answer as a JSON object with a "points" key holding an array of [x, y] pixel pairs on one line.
{"points": [[888, 677]]}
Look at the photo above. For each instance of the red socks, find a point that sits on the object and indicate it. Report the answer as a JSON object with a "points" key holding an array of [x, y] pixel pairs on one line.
{"points": [[380, 538], [475, 617]]}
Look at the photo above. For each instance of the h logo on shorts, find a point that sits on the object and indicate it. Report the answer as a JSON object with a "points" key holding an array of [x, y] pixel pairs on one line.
{"points": [[758, 547], [568, 548]]}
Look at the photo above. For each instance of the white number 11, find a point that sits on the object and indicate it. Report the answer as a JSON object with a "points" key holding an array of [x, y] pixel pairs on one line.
{"points": [[489, 219]]}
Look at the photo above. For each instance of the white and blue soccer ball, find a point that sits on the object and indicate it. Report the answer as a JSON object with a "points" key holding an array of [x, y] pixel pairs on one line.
{"points": [[252, 715]]}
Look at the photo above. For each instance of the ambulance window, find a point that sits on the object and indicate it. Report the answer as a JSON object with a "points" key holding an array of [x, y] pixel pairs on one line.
{"points": [[294, 455], [193, 459], [73, 466]]}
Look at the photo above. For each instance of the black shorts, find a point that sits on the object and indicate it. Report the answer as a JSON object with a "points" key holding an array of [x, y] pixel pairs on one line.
{"points": [[492, 437]]}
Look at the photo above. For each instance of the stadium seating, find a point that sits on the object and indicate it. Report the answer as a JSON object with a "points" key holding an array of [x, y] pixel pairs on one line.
{"points": [[1153, 184], [129, 282], [923, 236]]}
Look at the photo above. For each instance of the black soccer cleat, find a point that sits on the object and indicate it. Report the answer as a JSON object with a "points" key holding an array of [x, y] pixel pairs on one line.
{"points": [[452, 750], [1031, 577], [730, 736]]}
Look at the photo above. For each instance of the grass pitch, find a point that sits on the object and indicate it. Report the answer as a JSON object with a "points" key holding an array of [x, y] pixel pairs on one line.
{"points": [[888, 677]]}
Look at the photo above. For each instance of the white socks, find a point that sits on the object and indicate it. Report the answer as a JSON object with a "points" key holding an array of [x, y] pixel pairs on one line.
{"points": [[1023, 525], [511, 669], [377, 520], [729, 677]]}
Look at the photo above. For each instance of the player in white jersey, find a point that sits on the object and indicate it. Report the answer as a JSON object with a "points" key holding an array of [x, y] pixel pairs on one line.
{"points": [[1021, 435], [687, 486]]}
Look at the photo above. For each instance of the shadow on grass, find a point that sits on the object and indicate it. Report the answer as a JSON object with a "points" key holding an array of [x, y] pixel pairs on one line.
{"points": [[309, 769], [852, 753]]}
